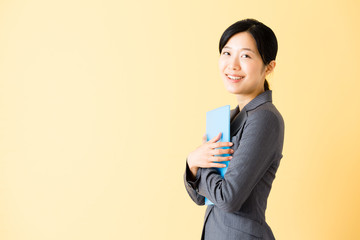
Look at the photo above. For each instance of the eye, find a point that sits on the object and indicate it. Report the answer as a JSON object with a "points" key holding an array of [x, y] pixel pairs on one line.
{"points": [[245, 56], [225, 53]]}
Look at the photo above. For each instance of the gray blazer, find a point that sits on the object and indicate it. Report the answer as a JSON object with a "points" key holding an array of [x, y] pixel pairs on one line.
{"points": [[240, 198]]}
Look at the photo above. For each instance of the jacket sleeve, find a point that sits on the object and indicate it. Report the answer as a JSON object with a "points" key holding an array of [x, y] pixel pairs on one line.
{"points": [[258, 147], [191, 186]]}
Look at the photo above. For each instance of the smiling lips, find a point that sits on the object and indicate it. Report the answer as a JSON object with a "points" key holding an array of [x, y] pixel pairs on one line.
{"points": [[234, 78]]}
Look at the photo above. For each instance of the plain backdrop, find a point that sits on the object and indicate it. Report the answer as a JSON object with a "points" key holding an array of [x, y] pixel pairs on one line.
{"points": [[101, 101]]}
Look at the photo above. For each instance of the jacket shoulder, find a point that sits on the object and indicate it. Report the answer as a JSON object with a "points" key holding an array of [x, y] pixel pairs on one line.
{"points": [[266, 112]]}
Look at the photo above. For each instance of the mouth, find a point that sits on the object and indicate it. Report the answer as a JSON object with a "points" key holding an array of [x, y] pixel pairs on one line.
{"points": [[234, 78]]}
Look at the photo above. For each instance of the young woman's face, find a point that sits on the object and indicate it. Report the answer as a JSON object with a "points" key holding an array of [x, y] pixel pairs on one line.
{"points": [[241, 66]]}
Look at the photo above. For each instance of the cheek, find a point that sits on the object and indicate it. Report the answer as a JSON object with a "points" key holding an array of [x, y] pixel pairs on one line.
{"points": [[220, 65], [247, 66], [252, 69]]}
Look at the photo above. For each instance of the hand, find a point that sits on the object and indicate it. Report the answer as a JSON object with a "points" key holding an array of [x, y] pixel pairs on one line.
{"points": [[204, 156]]}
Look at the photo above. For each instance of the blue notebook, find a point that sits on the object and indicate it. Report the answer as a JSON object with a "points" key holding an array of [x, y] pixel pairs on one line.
{"points": [[218, 120]]}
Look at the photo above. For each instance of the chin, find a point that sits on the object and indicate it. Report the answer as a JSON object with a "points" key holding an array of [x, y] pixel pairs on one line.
{"points": [[233, 90]]}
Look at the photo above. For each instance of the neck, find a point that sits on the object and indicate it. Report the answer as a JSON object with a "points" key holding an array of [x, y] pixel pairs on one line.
{"points": [[245, 99]]}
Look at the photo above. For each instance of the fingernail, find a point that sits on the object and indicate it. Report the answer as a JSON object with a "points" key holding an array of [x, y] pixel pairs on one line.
{"points": [[231, 144], [230, 157]]}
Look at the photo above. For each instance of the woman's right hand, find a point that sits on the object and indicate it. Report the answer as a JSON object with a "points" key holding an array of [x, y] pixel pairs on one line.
{"points": [[204, 155]]}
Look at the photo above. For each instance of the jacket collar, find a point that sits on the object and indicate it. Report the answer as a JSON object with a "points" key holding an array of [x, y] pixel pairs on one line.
{"points": [[259, 100], [238, 117]]}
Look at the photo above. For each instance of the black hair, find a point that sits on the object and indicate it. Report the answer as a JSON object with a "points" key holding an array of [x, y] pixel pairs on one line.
{"points": [[265, 39]]}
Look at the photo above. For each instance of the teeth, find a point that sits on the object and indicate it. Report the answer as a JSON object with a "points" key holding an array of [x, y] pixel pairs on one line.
{"points": [[234, 78]]}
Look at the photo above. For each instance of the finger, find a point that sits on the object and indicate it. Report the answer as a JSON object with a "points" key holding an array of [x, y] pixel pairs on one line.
{"points": [[222, 151], [215, 139], [221, 144], [217, 165], [204, 138], [221, 159]]}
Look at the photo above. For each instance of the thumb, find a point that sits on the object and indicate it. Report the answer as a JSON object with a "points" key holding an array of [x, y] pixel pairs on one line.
{"points": [[204, 138]]}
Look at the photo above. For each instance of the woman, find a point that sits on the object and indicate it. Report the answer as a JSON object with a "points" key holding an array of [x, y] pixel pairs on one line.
{"points": [[247, 55]]}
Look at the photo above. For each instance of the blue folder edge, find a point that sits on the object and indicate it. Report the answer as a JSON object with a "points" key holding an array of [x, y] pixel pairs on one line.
{"points": [[218, 120]]}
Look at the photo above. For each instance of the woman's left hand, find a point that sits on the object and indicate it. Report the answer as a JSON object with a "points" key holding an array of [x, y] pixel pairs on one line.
{"points": [[206, 155]]}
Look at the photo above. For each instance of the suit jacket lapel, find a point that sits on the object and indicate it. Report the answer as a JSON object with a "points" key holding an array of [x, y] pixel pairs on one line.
{"points": [[233, 113], [239, 120]]}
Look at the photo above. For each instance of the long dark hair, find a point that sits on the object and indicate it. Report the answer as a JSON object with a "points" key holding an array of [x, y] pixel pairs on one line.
{"points": [[265, 39]]}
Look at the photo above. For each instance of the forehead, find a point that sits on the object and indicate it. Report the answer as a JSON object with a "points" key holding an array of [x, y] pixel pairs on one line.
{"points": [[241, 40]]}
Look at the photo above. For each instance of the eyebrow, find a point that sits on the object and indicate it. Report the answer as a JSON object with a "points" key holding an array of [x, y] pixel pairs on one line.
{"points": [[248, 49]]}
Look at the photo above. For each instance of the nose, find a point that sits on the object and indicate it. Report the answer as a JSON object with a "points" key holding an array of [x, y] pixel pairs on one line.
{"points": [[234, 64]]}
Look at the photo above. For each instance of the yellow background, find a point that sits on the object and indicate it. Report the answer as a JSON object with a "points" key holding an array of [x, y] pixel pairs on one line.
{"points": [[101, 101]]}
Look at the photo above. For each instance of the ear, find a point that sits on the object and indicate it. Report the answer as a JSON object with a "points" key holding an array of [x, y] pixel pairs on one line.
{"points": [[270, 67]]}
